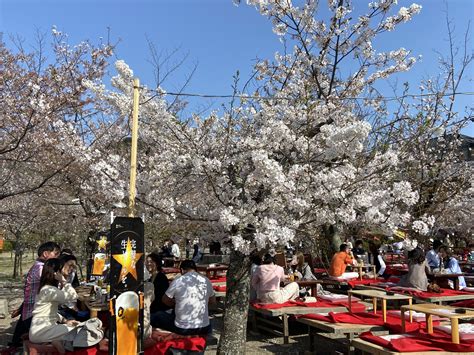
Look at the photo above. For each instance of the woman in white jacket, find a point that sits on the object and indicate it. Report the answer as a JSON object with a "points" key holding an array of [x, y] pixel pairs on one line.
{"points": [[47, 325]]}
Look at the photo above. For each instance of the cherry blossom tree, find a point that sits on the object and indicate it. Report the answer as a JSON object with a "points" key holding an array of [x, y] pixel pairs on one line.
{"points": [[291, 156], [43, 107]]}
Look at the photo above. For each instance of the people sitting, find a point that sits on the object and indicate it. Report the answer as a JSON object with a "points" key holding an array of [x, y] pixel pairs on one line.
{"points": [[339, 262], [451, 265], [417, 271], [47, 325], [432, 257], [266, 281], [69, 309], [70, 264], [303, 269], [189, 294], [159, 281], [303, 272], [379, 262], [359, 251], [46, 251]]}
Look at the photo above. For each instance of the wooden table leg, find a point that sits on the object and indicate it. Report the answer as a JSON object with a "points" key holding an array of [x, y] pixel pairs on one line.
{"points": [[411, 313], [429, 323], [286, 333], [311, 339], [254, 321], [455, 330], [374, 304], [402, 313], [456, 283], [384, 310]]}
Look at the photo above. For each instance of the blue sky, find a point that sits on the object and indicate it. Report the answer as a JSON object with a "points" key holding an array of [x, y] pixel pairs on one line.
{"points": [[220, 37]]}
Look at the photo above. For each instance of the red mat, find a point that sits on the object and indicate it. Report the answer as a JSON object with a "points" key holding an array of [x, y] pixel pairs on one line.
{"points": [[420, 341], [466, 303], [369, 318], [218, 279], [356, 306], [353, 283], [220, 288], [425, 294]]}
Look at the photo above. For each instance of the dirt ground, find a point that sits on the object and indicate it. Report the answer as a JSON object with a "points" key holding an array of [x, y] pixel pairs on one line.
{"points": [[256, 343]]}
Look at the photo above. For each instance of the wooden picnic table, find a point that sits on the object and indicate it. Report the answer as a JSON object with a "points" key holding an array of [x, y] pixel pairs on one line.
{"points": [[382, 295], [346, 330], [283, 314], [85, 302], [360, 269], [452, 277], [434, 299], [441, 311], [211, 271]]}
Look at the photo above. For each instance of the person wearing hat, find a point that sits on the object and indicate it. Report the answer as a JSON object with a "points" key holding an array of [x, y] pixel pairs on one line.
{"points": [[339, 262]]}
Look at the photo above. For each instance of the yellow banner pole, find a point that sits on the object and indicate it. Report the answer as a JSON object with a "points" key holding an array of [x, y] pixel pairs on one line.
{"points": [[133, 156]]}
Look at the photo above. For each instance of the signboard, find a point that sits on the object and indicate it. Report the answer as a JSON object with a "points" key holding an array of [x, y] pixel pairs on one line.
{"points": [[126, 286]]}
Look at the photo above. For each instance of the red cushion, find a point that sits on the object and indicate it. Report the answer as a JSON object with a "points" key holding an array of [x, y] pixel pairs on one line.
{"points": [[368, 318], [39, 349], [420, 341], [356, 306]]}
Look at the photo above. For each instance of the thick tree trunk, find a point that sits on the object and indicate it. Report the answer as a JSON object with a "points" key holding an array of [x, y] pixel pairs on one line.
{"points": [[332, 233], [234, 334]]}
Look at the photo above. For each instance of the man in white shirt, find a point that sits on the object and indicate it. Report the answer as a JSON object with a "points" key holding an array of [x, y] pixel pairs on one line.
{"points": [[190, 294]]}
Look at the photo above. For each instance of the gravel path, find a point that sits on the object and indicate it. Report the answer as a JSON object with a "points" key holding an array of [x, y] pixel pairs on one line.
{"points": [[256, 343]]}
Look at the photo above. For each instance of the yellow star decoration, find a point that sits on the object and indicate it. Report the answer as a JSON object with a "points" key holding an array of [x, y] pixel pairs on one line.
{"points": [[128, 261], [102, 243]]}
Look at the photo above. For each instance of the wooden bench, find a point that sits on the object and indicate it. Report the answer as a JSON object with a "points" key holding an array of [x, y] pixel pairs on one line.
{"points": [[337, 332], [282, 314]]}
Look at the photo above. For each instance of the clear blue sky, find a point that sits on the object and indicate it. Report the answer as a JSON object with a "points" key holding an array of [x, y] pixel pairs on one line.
{"points": [[222, 38]]}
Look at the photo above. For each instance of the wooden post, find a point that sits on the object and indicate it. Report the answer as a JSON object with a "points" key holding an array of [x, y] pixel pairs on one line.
{"points": [[411, 313], [133, 155], [455, 330], [384, 309], [429, 323]]}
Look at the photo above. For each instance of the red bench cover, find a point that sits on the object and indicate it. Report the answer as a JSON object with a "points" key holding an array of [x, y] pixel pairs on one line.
{"points": [[421, 341]]}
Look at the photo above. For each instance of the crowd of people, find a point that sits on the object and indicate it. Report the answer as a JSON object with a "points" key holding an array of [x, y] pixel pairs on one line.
{"points": [[439, 259], [49, 311]]}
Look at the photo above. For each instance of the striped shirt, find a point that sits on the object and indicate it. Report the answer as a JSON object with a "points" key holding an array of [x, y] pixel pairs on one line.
{"points": [[32, 284]]}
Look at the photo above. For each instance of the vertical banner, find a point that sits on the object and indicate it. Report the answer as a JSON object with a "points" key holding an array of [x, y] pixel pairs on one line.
{"points": [[126, 286]]}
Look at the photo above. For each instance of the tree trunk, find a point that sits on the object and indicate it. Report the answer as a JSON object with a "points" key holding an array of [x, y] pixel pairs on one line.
{"points": [[15, 265], [234, 334], [332, 233]]}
